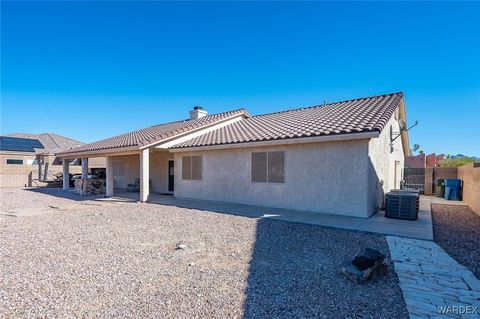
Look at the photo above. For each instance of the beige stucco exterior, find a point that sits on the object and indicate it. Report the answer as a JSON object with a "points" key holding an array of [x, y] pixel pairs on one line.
{"points": [[386, 163], [344, 174], [346, 177], [329, 177], [127, 168]]}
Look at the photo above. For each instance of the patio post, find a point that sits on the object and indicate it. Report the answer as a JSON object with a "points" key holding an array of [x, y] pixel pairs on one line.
{"points": [[66, 174], [84, 168], [109, 177], [144, 174]]}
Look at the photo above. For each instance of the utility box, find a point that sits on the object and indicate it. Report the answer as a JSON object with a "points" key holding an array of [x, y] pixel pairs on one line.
{"points": [[402, 204]]}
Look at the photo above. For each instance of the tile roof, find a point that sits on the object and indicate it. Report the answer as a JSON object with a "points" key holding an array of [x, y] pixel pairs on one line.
{"points": [[359, 115], [155, 133]]}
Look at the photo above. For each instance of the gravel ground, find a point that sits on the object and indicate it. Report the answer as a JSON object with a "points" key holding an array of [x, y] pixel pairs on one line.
{"points": [[456, 229], [120, 260], [24, 199]]}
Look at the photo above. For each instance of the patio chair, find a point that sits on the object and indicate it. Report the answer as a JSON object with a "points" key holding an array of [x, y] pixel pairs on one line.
{"points": [[135, 187]]}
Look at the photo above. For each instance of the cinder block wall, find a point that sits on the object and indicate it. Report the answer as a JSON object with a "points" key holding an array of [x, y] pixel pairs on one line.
{"points": [[17, 175], [470, 175], [432, 173]]}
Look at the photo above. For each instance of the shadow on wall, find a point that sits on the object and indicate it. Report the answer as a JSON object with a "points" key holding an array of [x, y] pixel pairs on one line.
{"points": [[376, 188], [294, 273]]}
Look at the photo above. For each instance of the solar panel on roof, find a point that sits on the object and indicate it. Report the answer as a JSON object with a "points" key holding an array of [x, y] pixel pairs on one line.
{"points": [[19, 144]]}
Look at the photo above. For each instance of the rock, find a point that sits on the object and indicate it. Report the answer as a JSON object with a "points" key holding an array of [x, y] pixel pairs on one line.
{"points": [[181, 246], [191, 264], [367, 257], [353, 273], [380, 269]]}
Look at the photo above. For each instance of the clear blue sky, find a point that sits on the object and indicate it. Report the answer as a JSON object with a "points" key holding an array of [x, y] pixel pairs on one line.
{"points": [[91, 70]]}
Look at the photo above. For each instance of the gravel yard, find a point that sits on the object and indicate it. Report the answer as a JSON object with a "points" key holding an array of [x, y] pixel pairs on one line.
{"points": [[456, 229], [111, 259]]}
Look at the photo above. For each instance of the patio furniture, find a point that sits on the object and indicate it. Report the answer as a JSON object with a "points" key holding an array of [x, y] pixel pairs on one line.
{"points": [[135, 187]]}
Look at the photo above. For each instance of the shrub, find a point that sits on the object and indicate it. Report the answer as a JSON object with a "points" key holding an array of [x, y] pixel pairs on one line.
{"points": [[455, 162]]}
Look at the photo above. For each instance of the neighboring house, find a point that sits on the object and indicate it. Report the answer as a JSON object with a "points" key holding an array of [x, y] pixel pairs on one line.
{"points": [[337, 158], [26, 157]]}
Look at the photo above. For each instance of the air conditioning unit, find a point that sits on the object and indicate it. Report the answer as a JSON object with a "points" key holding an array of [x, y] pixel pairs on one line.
{"points": [[402, 204]]}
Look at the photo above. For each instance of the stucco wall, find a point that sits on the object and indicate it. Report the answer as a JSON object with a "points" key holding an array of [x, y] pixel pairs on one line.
{"points": [[384, 174], [127, 168], [159, 171], [328, 177]]}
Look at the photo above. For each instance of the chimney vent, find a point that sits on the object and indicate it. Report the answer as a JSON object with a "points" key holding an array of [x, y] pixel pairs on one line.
{"points": [[197, 113]]}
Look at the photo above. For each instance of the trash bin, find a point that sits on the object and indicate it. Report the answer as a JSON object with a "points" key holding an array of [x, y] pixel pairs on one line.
{"points": [[452, 189], [439, 188]]}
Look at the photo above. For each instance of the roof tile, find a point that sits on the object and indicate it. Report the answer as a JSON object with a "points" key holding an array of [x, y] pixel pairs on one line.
{"points": [[346, 117], [154, 133]]}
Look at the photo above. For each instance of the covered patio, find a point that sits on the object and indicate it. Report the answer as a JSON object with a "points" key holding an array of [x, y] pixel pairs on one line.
{"points": [[137, 174]]}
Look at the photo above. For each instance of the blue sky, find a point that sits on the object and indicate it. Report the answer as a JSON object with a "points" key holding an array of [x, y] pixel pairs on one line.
{"points": [[91, 70]]}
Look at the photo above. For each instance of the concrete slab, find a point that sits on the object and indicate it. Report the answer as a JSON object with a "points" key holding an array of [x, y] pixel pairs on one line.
{"points": [[419, 229]]}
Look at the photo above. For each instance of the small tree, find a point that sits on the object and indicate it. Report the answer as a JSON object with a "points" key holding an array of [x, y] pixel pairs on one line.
{"points": [[415, 148]]}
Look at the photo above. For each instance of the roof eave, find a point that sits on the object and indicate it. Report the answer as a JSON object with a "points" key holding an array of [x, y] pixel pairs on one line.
{"points": [[289, 141], [100, 153]]}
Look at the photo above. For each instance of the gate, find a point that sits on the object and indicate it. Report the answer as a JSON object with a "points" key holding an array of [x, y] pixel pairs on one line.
{"points": [[414, 179]]}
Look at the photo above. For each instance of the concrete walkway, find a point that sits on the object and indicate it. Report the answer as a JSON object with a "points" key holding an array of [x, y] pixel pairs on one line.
{"points": [[420, 229], [434, 285]]}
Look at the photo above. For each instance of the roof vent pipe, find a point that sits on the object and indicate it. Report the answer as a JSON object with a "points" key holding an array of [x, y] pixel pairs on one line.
{"points": [[197, 113]]}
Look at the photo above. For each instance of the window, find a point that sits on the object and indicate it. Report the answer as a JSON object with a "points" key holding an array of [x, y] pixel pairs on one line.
{"points": [[259, 167], [11, 161], [268, 167], [192, 167]]}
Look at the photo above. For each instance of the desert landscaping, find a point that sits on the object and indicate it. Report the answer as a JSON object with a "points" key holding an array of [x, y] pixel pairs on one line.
{"points": [[66, 258]]}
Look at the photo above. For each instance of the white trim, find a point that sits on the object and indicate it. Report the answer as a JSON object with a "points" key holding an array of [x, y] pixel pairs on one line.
{"points": [[131, 150], [180, 138], [300, 140]]}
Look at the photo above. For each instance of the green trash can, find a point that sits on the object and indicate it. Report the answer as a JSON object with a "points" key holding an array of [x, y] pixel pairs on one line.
{"points": [[439, 187]]}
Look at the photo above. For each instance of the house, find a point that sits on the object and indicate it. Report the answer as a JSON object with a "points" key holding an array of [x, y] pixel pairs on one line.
{"points": [[25, 157], [337, 158]]}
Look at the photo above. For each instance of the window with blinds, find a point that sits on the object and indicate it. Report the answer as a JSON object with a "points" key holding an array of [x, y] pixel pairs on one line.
{"points": [[268, 167], [192, 168]]}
